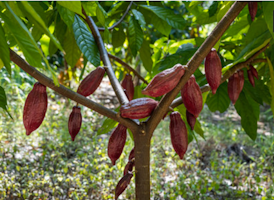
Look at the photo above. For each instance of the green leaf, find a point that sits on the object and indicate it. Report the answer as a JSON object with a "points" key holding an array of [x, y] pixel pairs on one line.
{"points": [[223, 10], [85, 41], [174, 20], [135, 36], [220, 100], [3, 101], [198, 129], [145, 55], [271, 87], [4, 50], [213, 8], [107, 126], [74, 6], [73, 52], [118, 37], [66, 15], [90, 7], [268, 15], [249, 111], [101, 14], [161, 25], [139, 17]]}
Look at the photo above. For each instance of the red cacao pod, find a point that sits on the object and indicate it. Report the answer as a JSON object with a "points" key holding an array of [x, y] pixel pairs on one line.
{"points": [[234, 86], [131, 154], [242, 79], [251, 77], [138, 108], [191, 120], [74, 122], [129, 166], [35, 108], [213, 70], [122, 184], [254, 71], [127, 84], [117, 142], [192, 97], [165, 81], [252, 7], [91, 82], [178, 134]]}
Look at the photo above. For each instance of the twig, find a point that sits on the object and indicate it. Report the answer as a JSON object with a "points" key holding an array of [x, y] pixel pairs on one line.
{"points": [[104, 55], [117, 23], [127, 66], [69, 93], [178, 101], [193, 64]]}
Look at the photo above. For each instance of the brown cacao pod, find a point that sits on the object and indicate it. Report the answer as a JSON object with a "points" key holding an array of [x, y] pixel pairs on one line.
{"points": [[35, 108], [213, 70], [178, 134], [254, 71], [131, 154], [242, 79], [117, 142], [127, 84], [192, 97], [129, 166], [234, 86], [251, 77], [252, 7], [138, 108], [122, 184], [75, 122], [91, 82], [165, 81], [191, 120]]}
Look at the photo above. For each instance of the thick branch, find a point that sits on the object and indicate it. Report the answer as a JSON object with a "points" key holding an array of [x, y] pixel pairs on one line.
{"points": [[69, 93], [104, 55], [178, 101], [127, 66], [117, 23], [193, 64]]}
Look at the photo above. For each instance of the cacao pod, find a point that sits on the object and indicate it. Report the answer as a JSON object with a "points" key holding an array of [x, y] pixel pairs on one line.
{"points": [[191, 120], [234, 86], [127, 84], [251, 77], [35, 108], [213, 70], [91, 82], [75, 122], [129, 166], [117, 142], [252, 7], [254, 71], [165, 81], [138, 108], [242, 79], [122, 184], [178, 134], [192, 97], [131, 154]]}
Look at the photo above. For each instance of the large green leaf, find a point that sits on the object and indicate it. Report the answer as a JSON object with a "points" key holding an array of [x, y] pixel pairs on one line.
{"points": [[135, 35], [4, 50], [139, 17], [213, 8], [3, 100], [90, 7], [118, 37], [85, 41], [66, 15], [268, 15], [249, 111], [145, 55], [220, 100], [271, 88], [223, 10], [107, 126], [161, 25], [174, 20], [74, 6], [101, 14], [73, 52]]}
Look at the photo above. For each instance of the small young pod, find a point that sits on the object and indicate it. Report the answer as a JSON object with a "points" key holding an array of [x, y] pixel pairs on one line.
{"points": [[178, 134], [35, 108], [129, 166], [254, 71], [191, 120], [122, 184], [165, 81], [251, 77], [242, 79], [117, 142], [127, 84], [74, 122], [131, 154], [252, 7], [91, 82], [233, 87]]}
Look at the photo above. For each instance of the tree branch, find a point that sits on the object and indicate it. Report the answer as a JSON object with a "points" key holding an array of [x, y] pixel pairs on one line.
{"points": [[117, 23], [127, 66], [178, 101], [104, 55], [193, 64], [69, 93]]}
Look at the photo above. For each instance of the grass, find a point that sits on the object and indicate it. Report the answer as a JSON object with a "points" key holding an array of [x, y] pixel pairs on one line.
{"points": [[48, 165]]}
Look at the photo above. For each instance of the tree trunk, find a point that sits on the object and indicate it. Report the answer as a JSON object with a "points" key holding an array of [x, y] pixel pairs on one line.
{"points": [[142, 165]]}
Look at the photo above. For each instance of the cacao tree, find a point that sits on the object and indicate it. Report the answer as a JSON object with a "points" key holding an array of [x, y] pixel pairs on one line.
{"points": [[171, 47]]}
